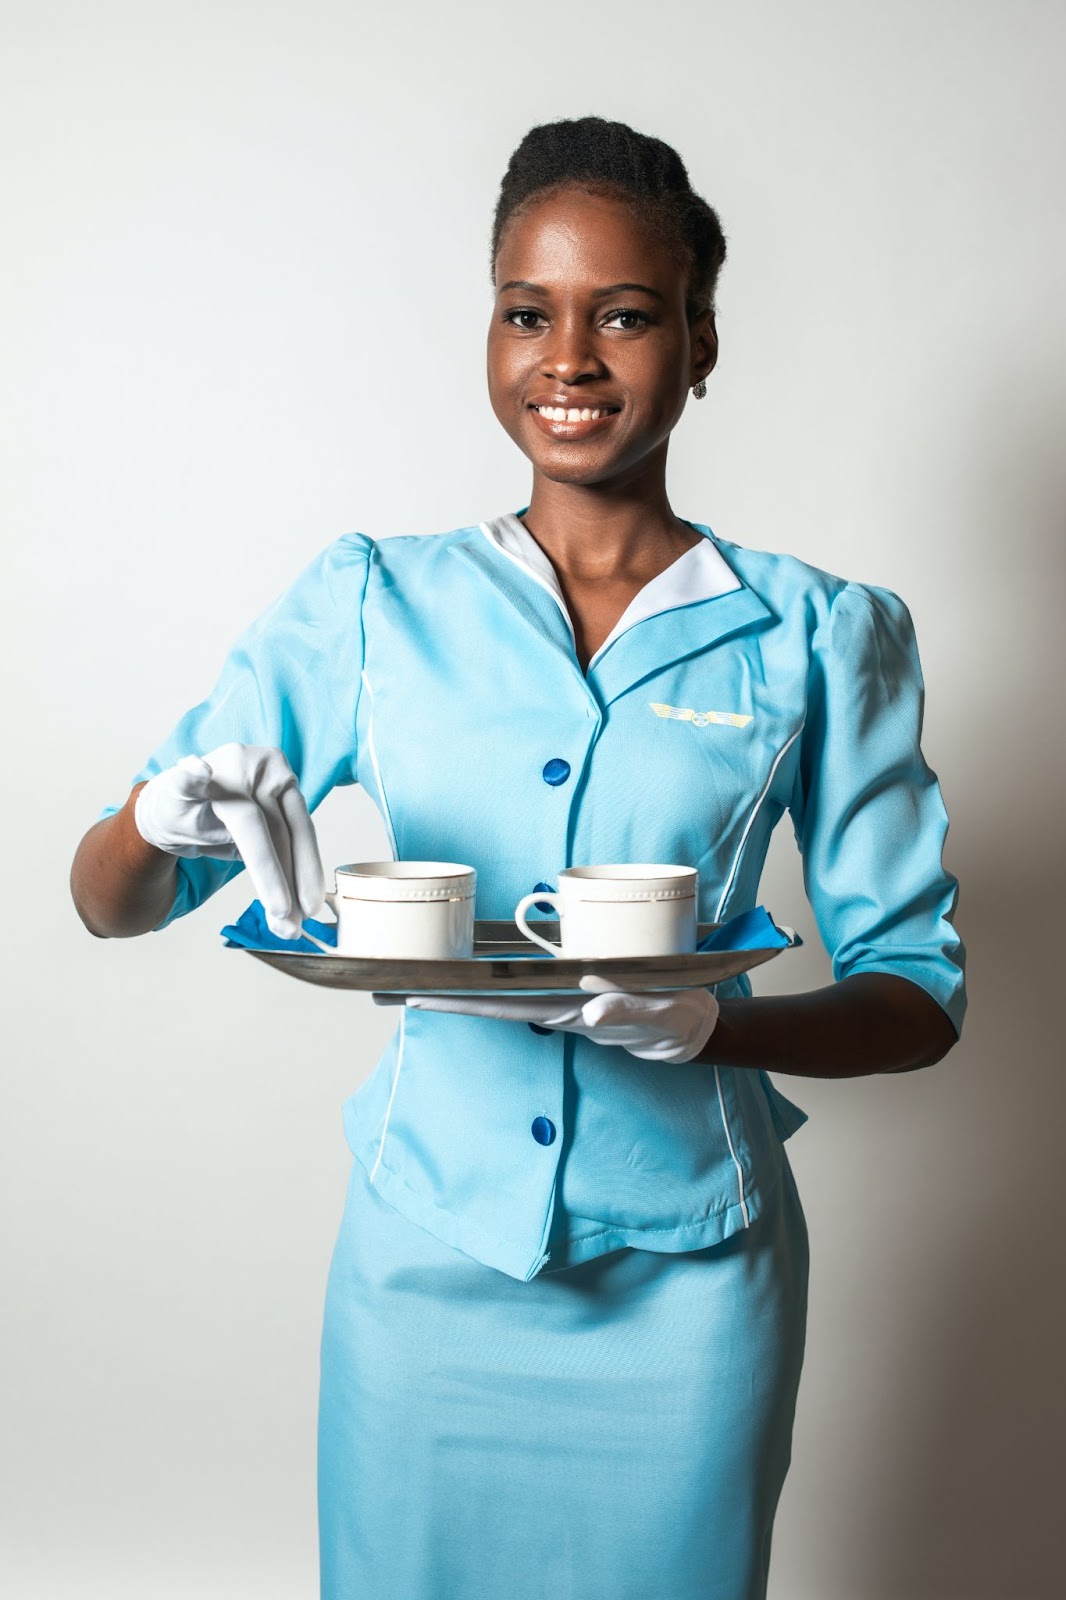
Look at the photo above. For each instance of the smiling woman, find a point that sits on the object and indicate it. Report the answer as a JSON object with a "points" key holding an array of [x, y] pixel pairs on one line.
{"points": [[568, 1299], [562, 340], [605, 265]]}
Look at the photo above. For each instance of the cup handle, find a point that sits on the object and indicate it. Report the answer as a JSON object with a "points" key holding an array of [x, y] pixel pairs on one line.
{"points": [[520, 917], [330, 950]]}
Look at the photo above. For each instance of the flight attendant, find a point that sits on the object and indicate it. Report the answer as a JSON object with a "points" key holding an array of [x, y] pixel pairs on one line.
{"points": [[565, 1313]]}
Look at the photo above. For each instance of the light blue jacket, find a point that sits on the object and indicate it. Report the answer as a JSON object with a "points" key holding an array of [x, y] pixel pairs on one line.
{"points": [[440, 673]]}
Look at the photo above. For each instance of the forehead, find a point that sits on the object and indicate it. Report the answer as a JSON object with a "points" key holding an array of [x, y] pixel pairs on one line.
{"points": [[576, 236]]}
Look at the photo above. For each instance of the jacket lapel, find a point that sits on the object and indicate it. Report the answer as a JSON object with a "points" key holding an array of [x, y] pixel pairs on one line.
{"points": [[644, 649], [537, 608], [658, 642]]}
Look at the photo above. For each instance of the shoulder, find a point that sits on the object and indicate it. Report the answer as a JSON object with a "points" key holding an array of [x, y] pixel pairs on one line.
{"points": [[824, 599], [331, 582], [404, 552], [418, 569], [357, 571], [345, 564]]}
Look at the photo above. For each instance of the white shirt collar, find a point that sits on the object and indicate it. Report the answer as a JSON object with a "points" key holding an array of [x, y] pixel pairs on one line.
{"points": [[701, 573]]}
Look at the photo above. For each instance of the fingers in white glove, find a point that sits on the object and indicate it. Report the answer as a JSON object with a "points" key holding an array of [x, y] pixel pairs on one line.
{"points": [[592, 983], [173, 812], [269, 801], [551, 1011], [672, 1025], [241, 801], [191, 775], [308, 875], [547, 1011], [618, 1005], [255, 794], [286, 843], [249, 827]]}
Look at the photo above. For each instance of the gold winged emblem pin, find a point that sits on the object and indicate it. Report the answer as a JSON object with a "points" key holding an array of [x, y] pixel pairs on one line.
{"points": [[700, 719]]}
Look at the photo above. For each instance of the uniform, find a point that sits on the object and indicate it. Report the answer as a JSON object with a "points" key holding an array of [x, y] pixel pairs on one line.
{"points": [[519, 1283]]}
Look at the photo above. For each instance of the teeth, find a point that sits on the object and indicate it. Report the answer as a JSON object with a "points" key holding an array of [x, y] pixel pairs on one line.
{"points": [[562, 414]]}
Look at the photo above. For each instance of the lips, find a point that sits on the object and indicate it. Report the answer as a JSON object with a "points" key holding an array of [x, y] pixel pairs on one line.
{"points": [[567, 404], [569, 421]]}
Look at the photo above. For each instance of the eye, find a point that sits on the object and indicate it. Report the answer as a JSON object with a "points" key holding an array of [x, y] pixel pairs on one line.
{"points": [[641, 317], [522, 311]]}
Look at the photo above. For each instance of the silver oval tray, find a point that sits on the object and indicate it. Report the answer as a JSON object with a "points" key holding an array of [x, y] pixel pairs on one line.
{"points": [[500, 966]]}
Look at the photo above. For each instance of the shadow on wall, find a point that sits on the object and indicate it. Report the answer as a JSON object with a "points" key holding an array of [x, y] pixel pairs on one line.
{"points": [[967, 1502]]}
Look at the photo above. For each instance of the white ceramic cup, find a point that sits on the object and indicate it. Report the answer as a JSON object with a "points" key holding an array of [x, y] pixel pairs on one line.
{"points": [[406, 909], [634, 909]]}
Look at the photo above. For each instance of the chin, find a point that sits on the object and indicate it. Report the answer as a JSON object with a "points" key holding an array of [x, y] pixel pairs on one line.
{"points": [[561, 472]]}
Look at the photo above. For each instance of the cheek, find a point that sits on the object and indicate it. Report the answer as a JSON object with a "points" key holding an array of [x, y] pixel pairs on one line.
{"points": [[505, 371], [671, 388], [655, 371], [504, 391]]}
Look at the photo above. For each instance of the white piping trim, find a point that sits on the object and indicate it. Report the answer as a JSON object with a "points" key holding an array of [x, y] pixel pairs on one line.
{"points": [[732, 1151], [528, 567], [751, 819], [392, 1095], [386, 814], [699, 573], [718, 918]]}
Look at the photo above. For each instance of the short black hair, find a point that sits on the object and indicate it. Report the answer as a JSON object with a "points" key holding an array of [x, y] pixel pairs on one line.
{"points": [[610, 158]]}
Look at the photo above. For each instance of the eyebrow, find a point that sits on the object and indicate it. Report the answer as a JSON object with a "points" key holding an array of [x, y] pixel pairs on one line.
{"points": [[597, 294]]}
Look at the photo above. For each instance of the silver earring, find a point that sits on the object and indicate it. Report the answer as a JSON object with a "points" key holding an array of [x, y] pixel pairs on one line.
{"points": [[699, 389]]}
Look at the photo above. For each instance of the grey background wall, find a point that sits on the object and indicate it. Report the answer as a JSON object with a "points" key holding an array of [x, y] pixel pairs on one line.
{"points": [[245, 305]]}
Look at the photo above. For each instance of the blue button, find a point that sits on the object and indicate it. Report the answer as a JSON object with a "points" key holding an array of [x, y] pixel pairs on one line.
{"points": [[543, 905], [538, 1029], [556, 771], [543, 1130]]}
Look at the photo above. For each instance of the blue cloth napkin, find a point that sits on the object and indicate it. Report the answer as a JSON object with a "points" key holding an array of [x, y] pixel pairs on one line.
{"points": [[250, 932], [751, 930]]}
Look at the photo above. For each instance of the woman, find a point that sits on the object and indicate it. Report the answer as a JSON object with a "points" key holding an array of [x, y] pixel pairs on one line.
{"points": [[565, 1315]]}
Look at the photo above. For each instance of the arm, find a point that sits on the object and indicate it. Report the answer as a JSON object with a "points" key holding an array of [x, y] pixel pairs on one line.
{"points": [[870, 1022], [122, 886], [289, 683], [870, 823]]}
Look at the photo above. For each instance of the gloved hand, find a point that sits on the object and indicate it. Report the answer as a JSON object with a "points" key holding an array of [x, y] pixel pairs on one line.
{"points": [[669, 1026], [241, 802]]}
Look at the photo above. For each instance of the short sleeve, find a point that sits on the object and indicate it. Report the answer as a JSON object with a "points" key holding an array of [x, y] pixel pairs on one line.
{"points": [[867, 809], [291, 680]]}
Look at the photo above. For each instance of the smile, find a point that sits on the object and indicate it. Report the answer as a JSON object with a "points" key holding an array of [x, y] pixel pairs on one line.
{"points": [[574, 414], [572, 422]]}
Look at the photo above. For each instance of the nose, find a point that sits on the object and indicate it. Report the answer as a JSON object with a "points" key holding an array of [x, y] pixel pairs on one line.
{"points": [[569, 356]]}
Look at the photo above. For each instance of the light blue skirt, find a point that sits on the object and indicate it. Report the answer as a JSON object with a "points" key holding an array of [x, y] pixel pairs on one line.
{"points": [[618, 1430]]}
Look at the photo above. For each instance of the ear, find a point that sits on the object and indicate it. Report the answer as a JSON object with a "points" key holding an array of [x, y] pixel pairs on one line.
{"points": [[704, 341]]}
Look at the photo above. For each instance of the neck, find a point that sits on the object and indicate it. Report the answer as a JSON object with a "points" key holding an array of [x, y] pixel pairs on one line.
{"points": [[596, 530]]}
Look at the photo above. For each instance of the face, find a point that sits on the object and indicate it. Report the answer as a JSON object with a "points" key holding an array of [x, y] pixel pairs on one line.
{"points": [[590, 316]]}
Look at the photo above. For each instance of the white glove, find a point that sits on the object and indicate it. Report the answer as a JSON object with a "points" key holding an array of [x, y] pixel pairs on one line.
{"points": [[670, 1026], [241, 802]]}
